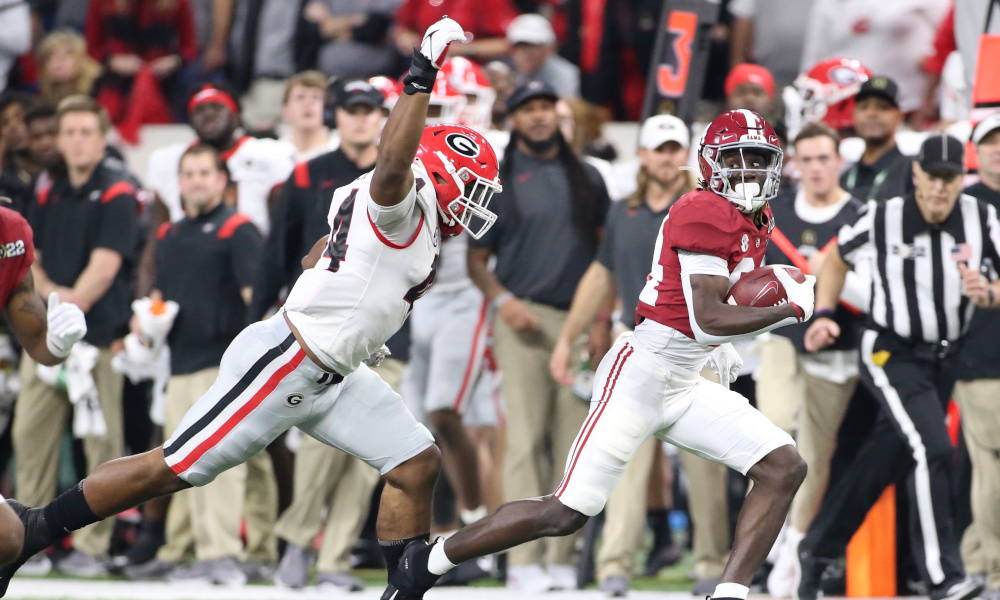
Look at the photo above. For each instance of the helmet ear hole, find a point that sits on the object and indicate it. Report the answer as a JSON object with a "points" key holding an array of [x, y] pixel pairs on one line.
{"points": [[438, 179]]}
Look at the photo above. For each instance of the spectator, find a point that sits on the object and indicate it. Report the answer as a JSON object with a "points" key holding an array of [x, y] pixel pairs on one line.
{"points": [[15, 23], [751, 87], [212, 23], [303, 111], [907, 361], [891, 38], [809, 392], [349, 39], [91, 267], [533, 56], [770, 33], [65, 68], [877, 116], [18, 166], [263, 57], [487, 22], [206, 263], [548, 228], [142, 44], [255, 165], [43, 159], [976, 390], [621, 266]]}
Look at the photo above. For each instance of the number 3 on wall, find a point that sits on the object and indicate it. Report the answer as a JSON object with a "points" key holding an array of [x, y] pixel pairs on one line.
{"points": [[672, 81]]}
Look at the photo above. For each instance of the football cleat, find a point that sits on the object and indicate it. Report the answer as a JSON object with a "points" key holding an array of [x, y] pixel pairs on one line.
{"points": [[37, 537]]}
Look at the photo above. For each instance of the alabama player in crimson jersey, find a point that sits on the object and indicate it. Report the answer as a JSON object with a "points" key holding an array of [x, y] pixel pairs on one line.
{"points": [[305, 367], [648, 382], [46, 334]]}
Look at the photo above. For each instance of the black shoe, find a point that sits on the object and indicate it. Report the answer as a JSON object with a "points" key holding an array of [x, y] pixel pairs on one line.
{"points": [[463, 574], [810, 575], [412, 578], [660, 559], [37, 537], [961, 589]]}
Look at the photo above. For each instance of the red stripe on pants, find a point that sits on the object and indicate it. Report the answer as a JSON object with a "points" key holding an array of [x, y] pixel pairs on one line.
{"points": [[248, 407]]}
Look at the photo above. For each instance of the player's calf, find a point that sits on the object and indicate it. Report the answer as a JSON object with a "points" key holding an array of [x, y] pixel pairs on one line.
{"points": [[11, 534]]}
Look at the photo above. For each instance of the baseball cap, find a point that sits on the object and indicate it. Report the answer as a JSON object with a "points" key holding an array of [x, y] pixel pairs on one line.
{"points": [[750, 73], [880, 86], [359, 91], [529, 91], [659, 129], [986, 126], [942, 152], [531, 29]]}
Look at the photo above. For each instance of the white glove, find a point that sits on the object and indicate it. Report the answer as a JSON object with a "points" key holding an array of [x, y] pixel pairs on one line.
{"points": [[66, 326], [726, 362], [156, 327], [802, 294], [438, 37]]}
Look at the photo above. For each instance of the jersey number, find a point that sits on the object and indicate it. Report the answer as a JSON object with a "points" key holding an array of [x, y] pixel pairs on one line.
{"points": [[415, 292], [336, 248]]}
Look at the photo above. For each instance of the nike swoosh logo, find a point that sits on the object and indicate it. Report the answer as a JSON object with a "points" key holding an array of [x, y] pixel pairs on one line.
{"points": [[770, 287]]}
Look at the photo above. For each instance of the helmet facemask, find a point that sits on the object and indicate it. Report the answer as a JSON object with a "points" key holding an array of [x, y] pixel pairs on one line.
{"points": [[468, 210], [745, 173]]}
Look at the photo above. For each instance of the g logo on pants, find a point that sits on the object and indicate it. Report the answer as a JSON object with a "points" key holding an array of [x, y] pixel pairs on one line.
{"points": [[293, 400]]}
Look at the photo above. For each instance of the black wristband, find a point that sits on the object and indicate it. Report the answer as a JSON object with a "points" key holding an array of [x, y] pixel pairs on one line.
{"points": [[992, 297], [422, 74], [823, 312]]}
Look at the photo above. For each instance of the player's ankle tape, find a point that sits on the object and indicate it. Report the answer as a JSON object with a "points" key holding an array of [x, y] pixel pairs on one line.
{"points": [[392, 550], [70, 511]]}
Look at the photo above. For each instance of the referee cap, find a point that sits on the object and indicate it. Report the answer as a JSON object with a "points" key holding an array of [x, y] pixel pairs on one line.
{"points": [[942, 152]]}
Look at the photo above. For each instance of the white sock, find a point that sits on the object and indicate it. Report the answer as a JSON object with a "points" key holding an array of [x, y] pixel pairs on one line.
{"points": [[729, 590], [438, 563]]}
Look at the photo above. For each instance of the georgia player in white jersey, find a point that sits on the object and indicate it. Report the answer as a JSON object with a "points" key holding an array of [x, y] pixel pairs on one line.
{"points": [[303, 367], [648, 382]]}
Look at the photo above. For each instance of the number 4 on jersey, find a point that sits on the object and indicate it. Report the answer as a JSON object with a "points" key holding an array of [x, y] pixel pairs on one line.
{"points": [[336, 248]]}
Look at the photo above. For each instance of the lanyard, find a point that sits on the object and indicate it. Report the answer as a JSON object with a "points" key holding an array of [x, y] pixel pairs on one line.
{"points": [[852, 178]]}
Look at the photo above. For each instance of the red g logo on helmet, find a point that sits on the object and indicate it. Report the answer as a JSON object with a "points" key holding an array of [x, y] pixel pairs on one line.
{"points": [[462, 144]]}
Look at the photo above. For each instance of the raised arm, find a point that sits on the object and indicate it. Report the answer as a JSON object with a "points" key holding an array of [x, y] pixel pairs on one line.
{"points": [[392, 178]]}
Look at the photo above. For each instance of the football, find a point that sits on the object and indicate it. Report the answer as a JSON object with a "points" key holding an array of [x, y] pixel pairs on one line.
{"points": [[761, 287]]}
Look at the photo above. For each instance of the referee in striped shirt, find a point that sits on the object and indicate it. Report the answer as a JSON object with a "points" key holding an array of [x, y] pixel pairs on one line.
{"points": [[925, 251]]}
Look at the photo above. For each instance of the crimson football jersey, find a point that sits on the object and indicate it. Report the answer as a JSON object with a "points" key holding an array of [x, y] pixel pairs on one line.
{"points": [[701, 222], [17, 251]]}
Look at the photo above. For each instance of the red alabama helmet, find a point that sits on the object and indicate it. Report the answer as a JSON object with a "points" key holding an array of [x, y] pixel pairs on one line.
{"points": [[738, 143], [469, 78], [464, 171]]}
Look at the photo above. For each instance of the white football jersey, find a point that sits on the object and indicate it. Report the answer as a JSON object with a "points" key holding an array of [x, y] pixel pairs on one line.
{"points": [[255, 167], [362, 289], [453, 270]]}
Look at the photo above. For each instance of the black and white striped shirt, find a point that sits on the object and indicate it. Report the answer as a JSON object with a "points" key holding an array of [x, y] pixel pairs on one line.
{"points": [[916, 286]]}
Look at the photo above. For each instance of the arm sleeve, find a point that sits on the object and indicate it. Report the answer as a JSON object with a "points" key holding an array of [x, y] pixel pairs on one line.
{"points": [[397, 223], [245, 249], [119, 225], [854, 239], [606, 252]]}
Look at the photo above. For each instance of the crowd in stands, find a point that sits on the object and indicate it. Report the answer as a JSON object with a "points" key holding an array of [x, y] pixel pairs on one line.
{"points": [[286, 99]]}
